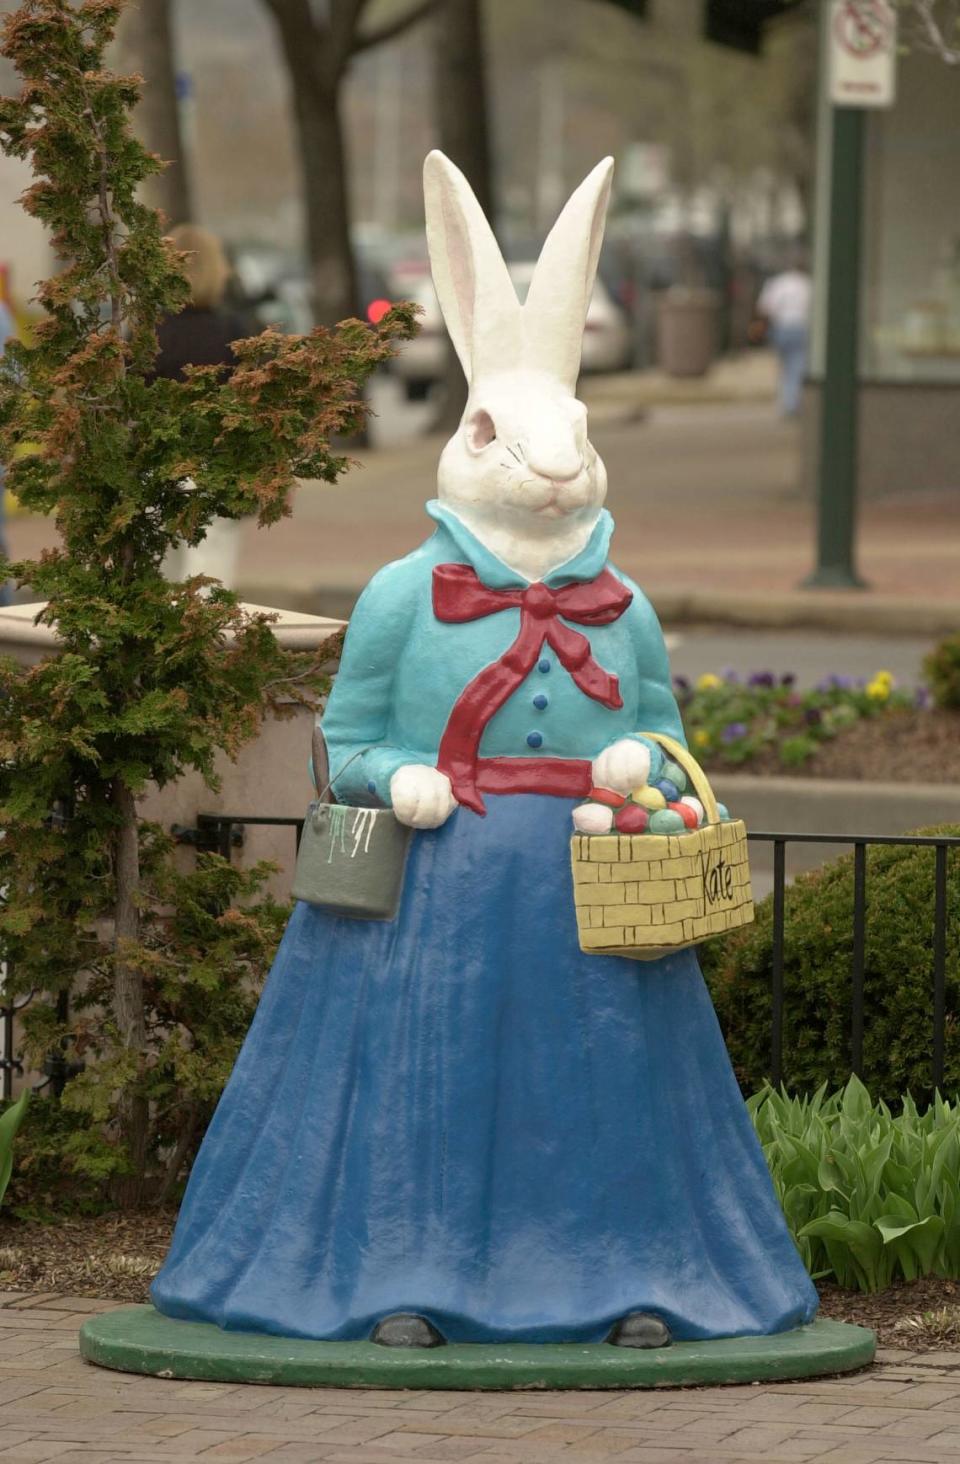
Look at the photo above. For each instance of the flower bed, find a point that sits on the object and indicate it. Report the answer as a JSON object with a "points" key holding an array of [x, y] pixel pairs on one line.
{"points": [[840, 728]]}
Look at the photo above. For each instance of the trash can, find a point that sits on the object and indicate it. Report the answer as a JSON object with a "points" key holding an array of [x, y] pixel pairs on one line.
{"points": [[688, 323]]}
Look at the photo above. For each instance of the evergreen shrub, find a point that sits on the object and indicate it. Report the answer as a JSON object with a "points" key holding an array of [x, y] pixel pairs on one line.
{"points": [[942, 671], [144, 976]]}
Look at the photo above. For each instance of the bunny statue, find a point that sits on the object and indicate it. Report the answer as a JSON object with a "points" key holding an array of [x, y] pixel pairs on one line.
{"points": [[455, 1126]]}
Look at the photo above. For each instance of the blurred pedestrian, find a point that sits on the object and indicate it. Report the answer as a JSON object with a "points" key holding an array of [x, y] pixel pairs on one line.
{"points": [[8, 332], [201, 335], [783, 308]]}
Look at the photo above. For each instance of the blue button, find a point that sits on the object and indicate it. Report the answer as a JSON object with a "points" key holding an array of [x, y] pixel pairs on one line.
{"points": [[541, 701], [371, 787], [534, 739], [543, 665]]}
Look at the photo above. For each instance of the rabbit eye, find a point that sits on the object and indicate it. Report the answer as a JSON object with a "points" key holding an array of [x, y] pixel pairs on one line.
{"points": [[480, 430]]}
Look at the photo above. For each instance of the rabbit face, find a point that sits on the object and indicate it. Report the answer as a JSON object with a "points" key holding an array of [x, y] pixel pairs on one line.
{"points": [[520, 470], [521, 458]]}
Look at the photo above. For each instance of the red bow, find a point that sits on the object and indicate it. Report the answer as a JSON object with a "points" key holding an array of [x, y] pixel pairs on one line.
{"points": [[458, 595]]}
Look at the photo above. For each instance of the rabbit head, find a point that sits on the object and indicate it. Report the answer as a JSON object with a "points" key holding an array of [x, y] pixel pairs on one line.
{"points": [[520, 470]]}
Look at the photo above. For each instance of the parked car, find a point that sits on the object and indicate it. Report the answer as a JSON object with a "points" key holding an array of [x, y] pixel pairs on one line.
{"points": [[420, 363], [275, 287], [606, 334]]}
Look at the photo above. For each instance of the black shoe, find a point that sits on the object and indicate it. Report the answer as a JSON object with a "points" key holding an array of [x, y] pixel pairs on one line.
{"points": [[406, 1329], [640, 1329]]}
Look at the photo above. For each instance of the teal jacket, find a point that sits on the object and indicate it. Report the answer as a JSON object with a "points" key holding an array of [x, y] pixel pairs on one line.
{"points": [[403, 670]]}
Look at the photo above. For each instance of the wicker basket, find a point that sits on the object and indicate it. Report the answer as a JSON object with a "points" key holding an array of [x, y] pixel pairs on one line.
{"points": [[645, 895]]}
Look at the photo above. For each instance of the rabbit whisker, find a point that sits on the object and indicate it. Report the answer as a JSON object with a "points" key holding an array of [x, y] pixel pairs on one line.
{"points": [[508, 466], [514, 453]]}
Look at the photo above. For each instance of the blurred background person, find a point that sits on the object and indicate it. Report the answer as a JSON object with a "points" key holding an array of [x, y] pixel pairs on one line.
{"points": [[783, 311], [201, 335]]}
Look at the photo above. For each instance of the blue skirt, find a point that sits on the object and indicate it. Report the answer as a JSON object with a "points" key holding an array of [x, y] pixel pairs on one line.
{"points": [[459, 1114]]}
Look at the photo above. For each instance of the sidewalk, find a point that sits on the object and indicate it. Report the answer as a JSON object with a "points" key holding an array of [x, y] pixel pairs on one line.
{"points": [[55, 1407], [749, 377]]}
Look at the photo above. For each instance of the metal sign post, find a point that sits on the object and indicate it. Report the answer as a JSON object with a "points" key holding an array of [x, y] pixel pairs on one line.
{"points": [[862, 62]]}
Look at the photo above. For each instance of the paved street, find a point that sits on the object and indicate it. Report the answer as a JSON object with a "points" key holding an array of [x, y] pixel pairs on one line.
{"points": [[55, 1407]]}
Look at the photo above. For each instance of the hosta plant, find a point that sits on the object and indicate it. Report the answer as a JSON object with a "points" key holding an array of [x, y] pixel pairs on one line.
{"points": [[10, 1121], [869, 1196]]}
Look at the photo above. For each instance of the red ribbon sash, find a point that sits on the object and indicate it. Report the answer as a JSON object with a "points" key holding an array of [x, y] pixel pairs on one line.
{"points": [[459, 596]]}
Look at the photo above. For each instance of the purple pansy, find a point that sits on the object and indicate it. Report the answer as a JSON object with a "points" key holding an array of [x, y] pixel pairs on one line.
{"points": [[733, 731]]}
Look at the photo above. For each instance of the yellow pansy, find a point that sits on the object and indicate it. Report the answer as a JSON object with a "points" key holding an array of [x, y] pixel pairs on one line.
{"points": [[708, 681], [701, 738], [879, 688]]}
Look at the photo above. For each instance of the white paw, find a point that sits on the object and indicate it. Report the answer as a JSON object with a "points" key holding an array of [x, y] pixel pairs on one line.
{"points": [[421, 796], [622, 767]]}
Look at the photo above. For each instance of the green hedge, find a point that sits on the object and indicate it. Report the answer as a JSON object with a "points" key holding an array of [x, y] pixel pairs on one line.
{"points": [[898, 987]]}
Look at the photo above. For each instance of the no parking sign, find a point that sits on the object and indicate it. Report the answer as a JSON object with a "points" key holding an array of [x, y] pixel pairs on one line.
{"points": [[863, 53]]}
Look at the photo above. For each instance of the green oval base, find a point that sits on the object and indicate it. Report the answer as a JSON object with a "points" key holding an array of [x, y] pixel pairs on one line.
{"points": [[138, 1339]]}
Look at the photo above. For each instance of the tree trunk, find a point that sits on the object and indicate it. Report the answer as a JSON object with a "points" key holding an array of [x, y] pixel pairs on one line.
{"points": [[145, 45], [464, 133], [128, 990], [461, 95], [333, 279], [316, 74]]}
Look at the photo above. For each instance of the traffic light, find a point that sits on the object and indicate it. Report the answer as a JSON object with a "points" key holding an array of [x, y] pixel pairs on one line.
{"points": [[739, 23], [735, 23], [636, 8]]}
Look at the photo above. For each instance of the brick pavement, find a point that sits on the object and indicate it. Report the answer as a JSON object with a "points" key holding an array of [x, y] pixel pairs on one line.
{"points": [[905, 1410]]}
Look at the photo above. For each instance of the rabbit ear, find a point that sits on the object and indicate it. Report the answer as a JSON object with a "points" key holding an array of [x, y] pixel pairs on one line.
{"points": [[476, 295], [556, 305]]}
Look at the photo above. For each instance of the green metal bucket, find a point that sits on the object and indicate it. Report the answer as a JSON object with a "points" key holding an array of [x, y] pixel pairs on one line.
{"points": [[350, 860]]}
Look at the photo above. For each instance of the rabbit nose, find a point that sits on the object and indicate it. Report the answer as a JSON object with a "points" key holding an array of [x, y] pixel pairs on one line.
{"points": [[557, 467]]}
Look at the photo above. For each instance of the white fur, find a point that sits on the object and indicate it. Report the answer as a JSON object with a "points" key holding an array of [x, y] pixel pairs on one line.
{"points": [[623, 766], [519, 471]]}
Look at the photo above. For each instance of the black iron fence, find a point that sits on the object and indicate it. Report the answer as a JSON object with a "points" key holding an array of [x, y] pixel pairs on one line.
{"points": [[221, 833], [9, 1062], [940, 846]]}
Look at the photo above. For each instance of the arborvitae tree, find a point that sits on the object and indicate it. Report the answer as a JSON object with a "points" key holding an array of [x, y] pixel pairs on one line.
{"points": [[150, 678]]}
